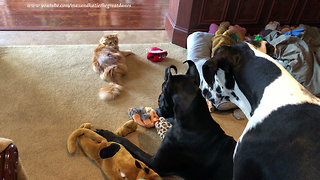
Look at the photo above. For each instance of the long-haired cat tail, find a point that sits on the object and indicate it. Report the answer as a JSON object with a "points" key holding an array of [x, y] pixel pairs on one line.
{"points": [[110, 91]]}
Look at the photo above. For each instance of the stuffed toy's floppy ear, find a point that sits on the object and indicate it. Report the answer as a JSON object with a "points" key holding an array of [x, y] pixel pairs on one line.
{"points": [[193, 72], [168, 72], [109, 151]]}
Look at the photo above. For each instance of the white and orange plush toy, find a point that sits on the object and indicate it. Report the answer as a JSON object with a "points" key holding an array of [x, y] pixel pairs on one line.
{"points": [[148, 117], [162, 126]]}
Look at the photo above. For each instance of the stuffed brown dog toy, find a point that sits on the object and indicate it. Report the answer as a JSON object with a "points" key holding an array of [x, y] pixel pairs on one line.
{"points": [[115, 161]]}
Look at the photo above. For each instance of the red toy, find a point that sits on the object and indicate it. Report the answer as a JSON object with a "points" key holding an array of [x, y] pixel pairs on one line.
{"points": [[156, 54]]}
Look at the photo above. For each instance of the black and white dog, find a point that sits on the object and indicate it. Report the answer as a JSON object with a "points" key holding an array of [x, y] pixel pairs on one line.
{"points": [[281, 139], [195, 147]]}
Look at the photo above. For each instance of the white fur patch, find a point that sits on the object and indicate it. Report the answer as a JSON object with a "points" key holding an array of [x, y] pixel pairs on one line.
{"points": [[110, 91], [243, 102], [285, 90], [199, 63], [105, 96]]}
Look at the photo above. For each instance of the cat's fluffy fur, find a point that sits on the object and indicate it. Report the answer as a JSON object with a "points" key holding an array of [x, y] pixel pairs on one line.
{"points": [[110, 63]]}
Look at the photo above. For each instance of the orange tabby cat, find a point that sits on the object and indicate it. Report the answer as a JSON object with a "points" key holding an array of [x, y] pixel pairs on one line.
{"points": [[110, 63]]}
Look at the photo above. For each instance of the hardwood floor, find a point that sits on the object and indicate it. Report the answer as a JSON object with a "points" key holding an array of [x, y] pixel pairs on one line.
{"points": [[83, 14]]}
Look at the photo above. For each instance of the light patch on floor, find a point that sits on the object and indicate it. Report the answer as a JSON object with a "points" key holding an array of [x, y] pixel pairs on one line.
{"points": [[79, 37]]}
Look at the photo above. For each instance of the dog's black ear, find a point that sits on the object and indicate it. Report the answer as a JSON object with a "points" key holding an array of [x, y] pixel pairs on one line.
{"points": [[226, 58], [168, 72], [209, 69], [229, 53], [227, 67], [229, 60], [193, 72], [109, 151], [270, 49], [235, 59], [221, 50]]}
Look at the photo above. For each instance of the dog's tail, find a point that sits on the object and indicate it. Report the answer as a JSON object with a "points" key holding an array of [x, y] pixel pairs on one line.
{"points": [[110, 91]]}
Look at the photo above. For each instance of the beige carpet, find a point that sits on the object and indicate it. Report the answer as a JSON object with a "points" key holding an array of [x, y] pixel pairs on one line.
{"points": [[48, 91]]}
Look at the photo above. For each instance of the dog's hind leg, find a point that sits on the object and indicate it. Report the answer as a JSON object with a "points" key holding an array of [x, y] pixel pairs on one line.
{"points": [[135, 151]]}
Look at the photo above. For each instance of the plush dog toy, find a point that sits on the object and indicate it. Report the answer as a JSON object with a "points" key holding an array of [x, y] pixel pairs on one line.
{"points": [[225, 36], [115, 161], [148, 117], [144, 116]]}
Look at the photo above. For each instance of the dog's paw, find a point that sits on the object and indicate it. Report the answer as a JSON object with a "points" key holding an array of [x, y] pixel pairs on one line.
{"points": [[99, 131], [96, 67], [110, 136], [238, 114], [103, 76]]}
